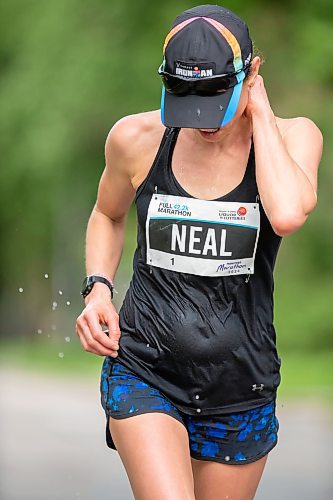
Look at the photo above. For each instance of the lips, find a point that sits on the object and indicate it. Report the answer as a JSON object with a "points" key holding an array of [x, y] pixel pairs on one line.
{"points": [[208, 132]]}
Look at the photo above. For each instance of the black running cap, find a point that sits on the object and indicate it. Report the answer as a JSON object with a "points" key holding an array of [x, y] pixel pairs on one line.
{"points": [[205, 41]]}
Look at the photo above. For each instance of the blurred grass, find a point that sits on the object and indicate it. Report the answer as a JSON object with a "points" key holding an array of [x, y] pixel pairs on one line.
{"points": [[303, 373]]}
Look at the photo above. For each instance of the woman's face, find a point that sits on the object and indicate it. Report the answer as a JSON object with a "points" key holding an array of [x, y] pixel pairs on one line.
{"points": [[214, 135]]}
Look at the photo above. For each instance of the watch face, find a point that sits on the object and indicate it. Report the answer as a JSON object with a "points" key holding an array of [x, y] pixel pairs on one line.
{"points": [[85, 284]]}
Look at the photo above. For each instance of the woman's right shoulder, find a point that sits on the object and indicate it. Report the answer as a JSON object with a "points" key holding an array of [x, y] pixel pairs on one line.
{"points": [[133, 142], [134, 134]]}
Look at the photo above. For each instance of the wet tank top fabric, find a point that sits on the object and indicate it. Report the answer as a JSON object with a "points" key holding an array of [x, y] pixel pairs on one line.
{"points": [[197, 319]]}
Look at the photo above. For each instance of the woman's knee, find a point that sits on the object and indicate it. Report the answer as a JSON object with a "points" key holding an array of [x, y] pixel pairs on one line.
{"points": [[154, 449]]}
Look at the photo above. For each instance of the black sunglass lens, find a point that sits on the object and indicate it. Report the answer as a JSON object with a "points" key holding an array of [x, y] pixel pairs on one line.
{"points": [[175, 85], [213, 86]]}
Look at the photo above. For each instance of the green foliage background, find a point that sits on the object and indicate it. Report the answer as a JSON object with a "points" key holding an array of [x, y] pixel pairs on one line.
{"points": [[69, 70]]}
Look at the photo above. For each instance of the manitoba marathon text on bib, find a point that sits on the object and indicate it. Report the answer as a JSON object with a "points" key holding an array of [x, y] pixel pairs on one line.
{"points": [[206, 238]]}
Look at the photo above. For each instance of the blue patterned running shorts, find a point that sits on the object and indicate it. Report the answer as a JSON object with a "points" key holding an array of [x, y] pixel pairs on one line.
{"points": [[232, 438]]}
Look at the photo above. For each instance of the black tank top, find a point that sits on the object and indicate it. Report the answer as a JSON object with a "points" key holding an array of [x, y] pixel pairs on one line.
{"points": [[197, 319]]}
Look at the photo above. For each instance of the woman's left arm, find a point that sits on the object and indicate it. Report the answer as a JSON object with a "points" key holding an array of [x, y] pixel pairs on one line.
{"points": [[286, 167]]}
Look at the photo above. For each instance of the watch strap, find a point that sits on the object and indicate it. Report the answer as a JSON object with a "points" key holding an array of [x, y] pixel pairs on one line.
{"points": [[91, 280]]}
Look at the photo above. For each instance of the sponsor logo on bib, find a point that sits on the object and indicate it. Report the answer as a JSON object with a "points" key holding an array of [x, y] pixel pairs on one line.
{"points": [[241, 211]]}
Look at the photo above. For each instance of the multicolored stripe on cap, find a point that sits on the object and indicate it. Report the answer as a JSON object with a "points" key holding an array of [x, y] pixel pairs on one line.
{"points": [[177, 28], [227, 35], [232, 41]]}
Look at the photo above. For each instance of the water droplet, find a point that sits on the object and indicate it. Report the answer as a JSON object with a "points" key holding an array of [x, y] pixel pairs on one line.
{"points": [[53, 327], [39, 331], [60, 292], [227, 458], [147, 345], [68, 339], [68, 303], [20, 290], [198, 113], [115, 291], [46, 275], [221, 107], [61, 355]]}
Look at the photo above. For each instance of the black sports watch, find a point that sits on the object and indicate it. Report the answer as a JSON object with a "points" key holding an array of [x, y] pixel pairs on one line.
{"points": [[89, 282]]}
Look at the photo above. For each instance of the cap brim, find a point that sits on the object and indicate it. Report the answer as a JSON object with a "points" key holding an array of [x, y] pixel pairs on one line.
{"points": [[196, 111]]}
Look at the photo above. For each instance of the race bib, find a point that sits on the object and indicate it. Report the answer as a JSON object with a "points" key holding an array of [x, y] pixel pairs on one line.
{"points": [[206, 238]]}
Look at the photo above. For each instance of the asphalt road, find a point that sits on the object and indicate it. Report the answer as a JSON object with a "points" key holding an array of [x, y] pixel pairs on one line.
{"points": [[52, 445]]}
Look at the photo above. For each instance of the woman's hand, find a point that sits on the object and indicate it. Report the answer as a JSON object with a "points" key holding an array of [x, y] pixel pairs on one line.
{"points": [[258, 99], [98, 311]]}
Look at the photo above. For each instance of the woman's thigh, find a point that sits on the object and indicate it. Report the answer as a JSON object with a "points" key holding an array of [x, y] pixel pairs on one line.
{"points": [[213, 480], [149, 434], [154, 449]]}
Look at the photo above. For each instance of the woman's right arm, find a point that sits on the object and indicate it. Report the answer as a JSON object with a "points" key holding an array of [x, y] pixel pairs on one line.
{"points": [[105, 239]]}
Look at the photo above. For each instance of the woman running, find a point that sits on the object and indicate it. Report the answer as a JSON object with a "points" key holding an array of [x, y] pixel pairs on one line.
{"points": [[217, 180]]}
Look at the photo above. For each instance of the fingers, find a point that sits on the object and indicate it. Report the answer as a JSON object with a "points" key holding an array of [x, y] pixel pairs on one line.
{"points": [[113, 326], [90, 342], [256, 83], [90, 349], [98, 334]]}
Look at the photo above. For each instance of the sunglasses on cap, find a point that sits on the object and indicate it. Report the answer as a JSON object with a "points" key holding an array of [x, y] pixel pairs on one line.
{"points": [[210, 85]]}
